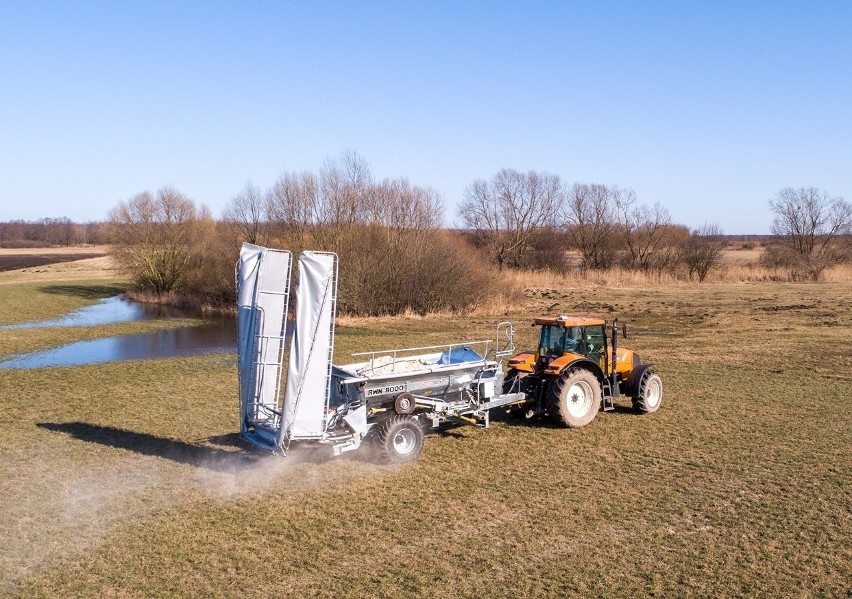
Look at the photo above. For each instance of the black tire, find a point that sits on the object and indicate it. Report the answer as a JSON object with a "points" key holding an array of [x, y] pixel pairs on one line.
{"points": [[650, 393], [404, 403], [575, 398], [399, 439], [512, 381]]}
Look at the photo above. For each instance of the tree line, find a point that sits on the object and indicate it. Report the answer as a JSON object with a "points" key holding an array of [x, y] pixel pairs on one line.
{"points": [[533, 220], [398, 254], [48, 232], [389, 235]]}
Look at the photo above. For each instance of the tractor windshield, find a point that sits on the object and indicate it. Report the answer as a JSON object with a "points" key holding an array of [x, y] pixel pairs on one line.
{"points": [[556, 340]]}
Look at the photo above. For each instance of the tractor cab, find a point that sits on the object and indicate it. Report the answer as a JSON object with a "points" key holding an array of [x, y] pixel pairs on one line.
{"points": [[562, 340], [581, 337]]}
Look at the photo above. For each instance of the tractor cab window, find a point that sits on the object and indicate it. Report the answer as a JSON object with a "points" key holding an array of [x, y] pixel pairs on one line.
{"points": [[594, 339], [556, 340], [552, 341]]}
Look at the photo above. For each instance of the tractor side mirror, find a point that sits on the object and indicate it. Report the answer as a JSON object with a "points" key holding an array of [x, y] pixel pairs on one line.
{"points": [[624, 330]]}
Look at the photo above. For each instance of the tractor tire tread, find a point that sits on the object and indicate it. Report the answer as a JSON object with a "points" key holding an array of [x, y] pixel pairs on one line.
{"points": [[383, 440], [640, 401], [558, 408]]}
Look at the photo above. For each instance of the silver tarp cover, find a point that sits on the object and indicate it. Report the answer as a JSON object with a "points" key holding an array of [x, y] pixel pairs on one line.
{"points": [[309, 368], [263, 287]]}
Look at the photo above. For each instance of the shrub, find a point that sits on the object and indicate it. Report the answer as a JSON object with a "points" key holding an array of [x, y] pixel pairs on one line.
{"points": [[159, 240]]}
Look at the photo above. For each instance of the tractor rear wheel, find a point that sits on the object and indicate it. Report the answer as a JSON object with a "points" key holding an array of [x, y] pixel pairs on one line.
{"points": [[399, 439], [650, 393], [575, 398]]}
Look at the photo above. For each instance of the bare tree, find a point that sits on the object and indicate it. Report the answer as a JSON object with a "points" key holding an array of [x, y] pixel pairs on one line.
{"points": [[327, 205], [292, 202], [393, 251], [386, 232], [95, 232], [401, 206], [158, 239], [808, 223], [646, 229], [702, 250], [245, 214], [591, 218], [344, 189], [507, 212]]}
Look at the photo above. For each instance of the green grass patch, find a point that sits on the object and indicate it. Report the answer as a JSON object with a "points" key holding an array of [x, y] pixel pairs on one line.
{"points": [[25, 302], [128, 480]]}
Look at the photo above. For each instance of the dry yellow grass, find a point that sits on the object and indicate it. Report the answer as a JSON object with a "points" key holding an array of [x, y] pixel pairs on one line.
{"points": [[83, 249], [739, 255], [102, 267], [125, 479], [623, 279]]}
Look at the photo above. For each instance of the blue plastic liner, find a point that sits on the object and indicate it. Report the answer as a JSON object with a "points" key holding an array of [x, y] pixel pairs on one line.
{"points": [[459, 355]]}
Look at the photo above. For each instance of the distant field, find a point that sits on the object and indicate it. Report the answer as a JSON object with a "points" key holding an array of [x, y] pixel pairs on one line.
{"points": [[127, 479], [16, 261], [740, 255], [29, 265]]}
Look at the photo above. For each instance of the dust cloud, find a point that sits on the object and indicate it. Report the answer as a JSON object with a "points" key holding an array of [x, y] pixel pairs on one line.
{"points": [[69, 508]]}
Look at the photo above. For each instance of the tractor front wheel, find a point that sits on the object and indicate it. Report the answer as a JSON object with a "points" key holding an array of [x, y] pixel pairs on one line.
{"points": [[575, 398], [399, 439], [650, 393]]}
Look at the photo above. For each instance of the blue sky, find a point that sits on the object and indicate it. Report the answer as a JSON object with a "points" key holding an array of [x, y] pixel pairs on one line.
{"points": [[707, 107]]}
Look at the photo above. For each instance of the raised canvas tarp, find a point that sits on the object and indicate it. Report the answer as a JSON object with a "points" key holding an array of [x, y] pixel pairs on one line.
{"points": [[263, 293], [309, 367]]}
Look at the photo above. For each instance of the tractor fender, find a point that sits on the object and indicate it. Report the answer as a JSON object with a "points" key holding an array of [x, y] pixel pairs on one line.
{"points": [[631, 389], [585, 364], [525, 362]]}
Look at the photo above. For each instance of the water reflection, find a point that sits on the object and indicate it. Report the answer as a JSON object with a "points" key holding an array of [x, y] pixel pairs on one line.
{"points": [[107, 311], [216, 335], [220, 336]]}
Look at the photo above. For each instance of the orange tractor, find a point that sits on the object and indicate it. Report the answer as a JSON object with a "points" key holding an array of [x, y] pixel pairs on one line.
{"points": [[577, 372]]}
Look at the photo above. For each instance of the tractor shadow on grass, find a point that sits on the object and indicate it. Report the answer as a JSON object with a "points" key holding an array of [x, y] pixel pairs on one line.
{"points": [[209, 454], [517, 417]]}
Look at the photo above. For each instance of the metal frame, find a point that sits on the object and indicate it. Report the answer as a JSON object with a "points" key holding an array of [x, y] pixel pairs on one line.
{"points": [[250, 408], [281, 338], [287, 436]]}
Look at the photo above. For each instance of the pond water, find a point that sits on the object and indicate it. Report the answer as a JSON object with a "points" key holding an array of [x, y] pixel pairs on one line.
{"points": [[107, 311], [214, 336]]}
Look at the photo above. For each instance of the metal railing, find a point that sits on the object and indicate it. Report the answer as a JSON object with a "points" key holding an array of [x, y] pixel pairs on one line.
{"points": [[507, 349], [396, 357]]}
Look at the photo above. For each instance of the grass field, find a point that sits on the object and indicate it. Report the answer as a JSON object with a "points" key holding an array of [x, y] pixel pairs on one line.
{"points": [[127, 480]]}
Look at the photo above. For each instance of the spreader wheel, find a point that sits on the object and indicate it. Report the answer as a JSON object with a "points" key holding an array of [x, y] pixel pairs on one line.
{"points": [[650, 393], [575, 398], [399, 439], [404, 403]]}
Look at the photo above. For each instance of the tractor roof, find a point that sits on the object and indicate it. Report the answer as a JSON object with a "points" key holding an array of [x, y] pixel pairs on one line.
{"points": [[568, 321]]}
